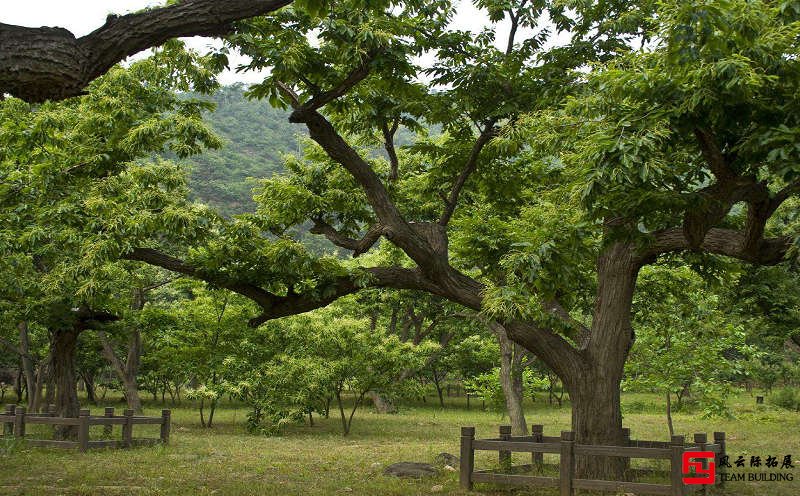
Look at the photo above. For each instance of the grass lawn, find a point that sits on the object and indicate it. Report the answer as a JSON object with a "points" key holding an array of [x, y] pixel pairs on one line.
{"points": [[227, 460]]}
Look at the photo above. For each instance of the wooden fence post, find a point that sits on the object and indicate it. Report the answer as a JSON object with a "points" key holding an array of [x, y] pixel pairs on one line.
{"points": [[537, 458], [504, 456], [701, 440], [8, 427], [127, 430], [676, 475], [83, 430], [51, 409], [108, 430], [19, 422], [567, 462], [467, 457], [165, 419], [719, 438], [626, 441]]}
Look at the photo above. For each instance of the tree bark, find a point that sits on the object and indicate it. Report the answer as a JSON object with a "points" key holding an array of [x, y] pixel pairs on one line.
{"points": [[37, 64], [595, 389], [27, 367], [63, 344], [382, 404], [511, 381], [128, 371]]}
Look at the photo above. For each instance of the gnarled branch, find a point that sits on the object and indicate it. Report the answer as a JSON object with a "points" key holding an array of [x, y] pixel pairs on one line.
{"points": [[727, 242], [38, 64], [357, 246]]}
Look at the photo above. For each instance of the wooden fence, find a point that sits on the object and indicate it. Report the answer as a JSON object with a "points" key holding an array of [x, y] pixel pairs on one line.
{"points": [[566, 448], [15, 420]]}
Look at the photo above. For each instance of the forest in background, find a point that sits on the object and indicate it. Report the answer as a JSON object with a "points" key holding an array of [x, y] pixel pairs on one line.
{"points": [[255, 137]]}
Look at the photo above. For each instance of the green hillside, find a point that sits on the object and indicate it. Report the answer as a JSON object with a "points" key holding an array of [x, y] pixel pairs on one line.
{"points": [[256, 136]]}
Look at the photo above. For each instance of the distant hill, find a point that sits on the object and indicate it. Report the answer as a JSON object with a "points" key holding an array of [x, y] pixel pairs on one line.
{"points": [[256, 135]]}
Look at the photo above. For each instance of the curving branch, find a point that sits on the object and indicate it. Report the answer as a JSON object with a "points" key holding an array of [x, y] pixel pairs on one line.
{"points": [[388, 145], [38, 64], [356, 76], [727, 242], [160, 259], [274, 306], [486, 135], [713, 155], [357, 246]]}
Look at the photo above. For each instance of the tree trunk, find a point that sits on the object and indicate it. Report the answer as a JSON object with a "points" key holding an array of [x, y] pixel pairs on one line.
{"points": [[211, 411], [669, 415], [202, 416], [88, 383], [63, 345], [511, 356], [597, 420], [19, 383], [382, 404], [128, 371], [437, 383], [28, 367], [42, 371], [592, 371], [595, 389], [345, 425]]}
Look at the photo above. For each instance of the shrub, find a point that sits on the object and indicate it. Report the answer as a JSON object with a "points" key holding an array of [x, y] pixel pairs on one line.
{"points": [[786, 397]]}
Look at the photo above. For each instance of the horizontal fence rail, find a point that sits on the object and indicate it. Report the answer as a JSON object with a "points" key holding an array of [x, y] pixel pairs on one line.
{"points": [[15, 419], [567, 450]]}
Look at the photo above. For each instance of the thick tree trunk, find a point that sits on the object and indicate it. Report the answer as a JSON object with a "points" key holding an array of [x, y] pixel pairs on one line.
{"points": [[595, 390], [50, 63], [592, 371], [597, 419], [63, 345]]}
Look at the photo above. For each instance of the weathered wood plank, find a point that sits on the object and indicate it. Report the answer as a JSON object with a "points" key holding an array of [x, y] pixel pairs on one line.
{"points": [[146, 420], [467, 458], [656, 453], [567, 463], [52, 420], [107, 421], [487, 445], [515, 480]]}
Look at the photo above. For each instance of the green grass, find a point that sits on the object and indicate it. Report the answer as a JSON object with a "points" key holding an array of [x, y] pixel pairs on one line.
{"points": [[227, 460]]}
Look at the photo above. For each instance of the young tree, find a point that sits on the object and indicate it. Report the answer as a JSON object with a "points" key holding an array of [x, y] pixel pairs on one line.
{"points": [[686, 341], [302, 364], [50, 159]]}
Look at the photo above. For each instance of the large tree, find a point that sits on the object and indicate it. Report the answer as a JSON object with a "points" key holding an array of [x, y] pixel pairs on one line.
{"points": [[424, 200], [538, 213]]}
